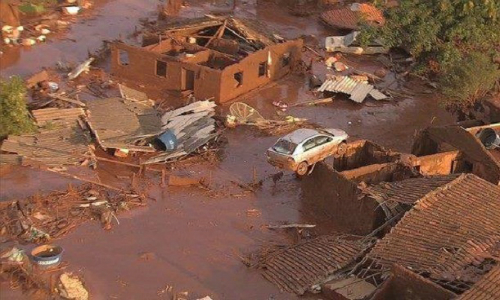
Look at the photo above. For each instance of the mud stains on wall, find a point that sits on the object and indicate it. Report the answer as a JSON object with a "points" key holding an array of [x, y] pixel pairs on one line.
{"points": [[331, 194], [207, 73]]}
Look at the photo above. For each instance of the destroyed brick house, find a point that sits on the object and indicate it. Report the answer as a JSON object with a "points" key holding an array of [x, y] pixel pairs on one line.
{"points": [[219, 58], [379, 185], [446, 245], [437, 227], [457, 149]]}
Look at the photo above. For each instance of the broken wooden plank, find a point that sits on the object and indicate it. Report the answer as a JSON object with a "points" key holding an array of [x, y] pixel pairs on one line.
{"points": [[67, 99], [291, 226]]}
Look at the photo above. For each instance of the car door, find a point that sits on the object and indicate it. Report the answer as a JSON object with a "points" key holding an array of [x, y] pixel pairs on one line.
{"points": [[307, 150], [314, 154], [331, 146], [324, 143]]}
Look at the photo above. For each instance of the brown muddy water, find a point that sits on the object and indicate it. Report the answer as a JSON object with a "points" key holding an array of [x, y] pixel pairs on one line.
{"points": [[192, 241]]}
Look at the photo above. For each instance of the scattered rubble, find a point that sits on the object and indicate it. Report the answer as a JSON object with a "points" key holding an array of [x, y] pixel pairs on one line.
{"points": [[43, 218], [83, 67], [71, 287], [27, 24], [62, 140], [243, 114], [186, 129]]}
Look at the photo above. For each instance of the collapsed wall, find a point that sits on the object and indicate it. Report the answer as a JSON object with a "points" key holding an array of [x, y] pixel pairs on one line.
{"points": [[331, 194]]}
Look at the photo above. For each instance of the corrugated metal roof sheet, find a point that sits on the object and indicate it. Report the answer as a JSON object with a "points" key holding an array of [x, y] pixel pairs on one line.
{"points": [[301, 266], [488, 288], [358, 90], [447, 231]]}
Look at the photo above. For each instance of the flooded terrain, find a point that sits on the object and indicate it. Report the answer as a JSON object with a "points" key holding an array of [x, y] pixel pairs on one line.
{"points": [[186, 237]]}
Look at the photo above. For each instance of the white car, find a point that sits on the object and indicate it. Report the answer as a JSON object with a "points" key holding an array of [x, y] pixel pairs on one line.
{"points": [[301, 149]]}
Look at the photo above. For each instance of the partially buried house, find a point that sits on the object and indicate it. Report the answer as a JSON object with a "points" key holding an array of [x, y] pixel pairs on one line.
{"points": [[212, 57], [448, 242]]}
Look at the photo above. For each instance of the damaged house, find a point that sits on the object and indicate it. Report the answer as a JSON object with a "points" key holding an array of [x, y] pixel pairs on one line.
{"points": [[449, 243], [458, 149], [211, 57]]}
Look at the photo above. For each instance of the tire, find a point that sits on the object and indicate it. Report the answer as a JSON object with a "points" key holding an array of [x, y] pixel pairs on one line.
{"points": [[302, 169], [341, 149]]}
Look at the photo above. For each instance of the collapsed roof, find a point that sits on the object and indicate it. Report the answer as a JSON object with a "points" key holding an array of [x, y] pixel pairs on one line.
{"points": [[231, 37], [450, 236], [397, 197], [62, 140], [299, 267], [488, 288], [120, 123]]}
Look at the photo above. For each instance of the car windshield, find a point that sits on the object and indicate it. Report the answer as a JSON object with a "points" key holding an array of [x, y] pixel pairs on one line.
{"points": [[284, 147]]}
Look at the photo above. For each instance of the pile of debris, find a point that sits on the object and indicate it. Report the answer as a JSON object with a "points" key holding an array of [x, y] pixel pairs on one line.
{"points": [[185, 130], [243, 114], [41, 218], [51, 18], [62, 139]]}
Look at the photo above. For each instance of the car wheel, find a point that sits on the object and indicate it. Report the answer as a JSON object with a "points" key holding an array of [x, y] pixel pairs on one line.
{"points": [[302, 168], [341, 149]]}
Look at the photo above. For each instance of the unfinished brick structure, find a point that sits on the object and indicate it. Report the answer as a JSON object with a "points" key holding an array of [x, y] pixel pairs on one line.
{"points": [[219, 58]]}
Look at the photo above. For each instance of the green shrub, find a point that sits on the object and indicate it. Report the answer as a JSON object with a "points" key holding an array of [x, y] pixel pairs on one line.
{"points": [[469, 79], [14, 115], [441, 35]]}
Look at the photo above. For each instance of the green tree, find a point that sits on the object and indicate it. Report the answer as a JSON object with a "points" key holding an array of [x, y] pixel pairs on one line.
{"points": [[14, 116], [471, 78], [442, 34]]}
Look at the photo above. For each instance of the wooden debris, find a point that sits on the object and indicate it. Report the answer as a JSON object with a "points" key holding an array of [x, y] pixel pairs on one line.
{"points": [[314, 102], [291, 226], [83, 67], [55, 116], [67, 144], [62, 211], [174, 180], [67, 99], [118, 124]]}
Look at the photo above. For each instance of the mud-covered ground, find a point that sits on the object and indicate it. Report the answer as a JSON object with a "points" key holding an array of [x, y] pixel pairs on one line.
{"points": [[189, 238]]}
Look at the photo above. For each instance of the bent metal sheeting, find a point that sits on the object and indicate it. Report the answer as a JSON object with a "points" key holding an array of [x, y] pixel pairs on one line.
{"points": [[358, 90]]}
